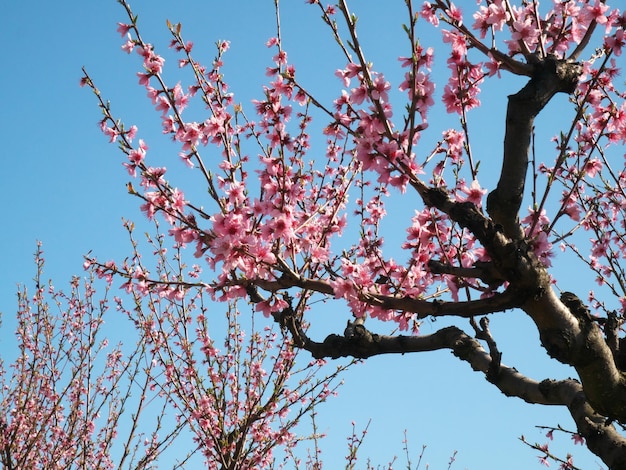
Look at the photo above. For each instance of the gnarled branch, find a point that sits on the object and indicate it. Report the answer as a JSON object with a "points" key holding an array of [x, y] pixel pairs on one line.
{"points": [[357, 341], [550, 76]]}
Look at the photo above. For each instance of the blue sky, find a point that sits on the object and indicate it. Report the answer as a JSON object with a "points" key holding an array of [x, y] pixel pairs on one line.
{"points": [[64, 185]]}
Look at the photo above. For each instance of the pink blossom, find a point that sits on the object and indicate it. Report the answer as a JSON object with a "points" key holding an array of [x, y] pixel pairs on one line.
{"points": [[592, 167], [493, 68], [180, 98], [132, 169], [358, 95], [280, 58], [262, 254], [539, 220], [571, 206], [379, 91], [456, 40], [169, 125], [236, 193], [495, 15], [455, 14], [451, 99], [190, 135], [283, 87], [136, 156], [281, 227], [600, 248], [596, 12], [144, 79], [131, 133], [270, 306], [616, 42], [428, 12], [301, 97], [151, 61], [351, 70], [110, 132], [163, 104], [186, 158], [183, 235], [455, 141], [543, 248], [123, 28], [129, 45], [525, 31], [177, 200], [150, 206], [474, 193]]}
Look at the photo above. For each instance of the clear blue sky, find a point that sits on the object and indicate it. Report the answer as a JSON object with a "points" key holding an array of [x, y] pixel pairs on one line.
{"points": [[64, 184]]}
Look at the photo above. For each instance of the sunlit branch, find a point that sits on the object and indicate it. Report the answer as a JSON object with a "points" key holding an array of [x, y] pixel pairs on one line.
{"points": [[333, 26], [550, 77], [485, 271], [365, 69], [482, 332], [499, 302]]}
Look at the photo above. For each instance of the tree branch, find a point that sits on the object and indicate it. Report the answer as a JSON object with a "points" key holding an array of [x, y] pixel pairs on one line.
{"points": [[499, 302], [601, 436], [550, 76], [485, 271], [569, 335], [483, 332]]}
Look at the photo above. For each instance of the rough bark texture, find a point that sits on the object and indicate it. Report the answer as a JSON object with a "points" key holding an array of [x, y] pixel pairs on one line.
{"points": [[550, 76]]}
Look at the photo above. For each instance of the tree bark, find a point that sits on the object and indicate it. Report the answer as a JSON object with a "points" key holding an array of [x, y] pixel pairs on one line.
{"points": [[550, 76]]}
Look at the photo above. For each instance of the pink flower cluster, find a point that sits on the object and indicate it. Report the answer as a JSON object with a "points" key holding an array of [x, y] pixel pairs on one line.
{"points": [[276, 214]]}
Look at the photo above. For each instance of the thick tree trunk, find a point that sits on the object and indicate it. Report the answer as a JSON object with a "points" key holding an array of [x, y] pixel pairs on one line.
{"points": [[550, 76], [567, 332]]}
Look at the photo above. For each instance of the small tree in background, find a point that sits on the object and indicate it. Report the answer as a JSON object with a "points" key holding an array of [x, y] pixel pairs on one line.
{"points": [[270, 235], [69, 400], [67, 397], [240, 394]]}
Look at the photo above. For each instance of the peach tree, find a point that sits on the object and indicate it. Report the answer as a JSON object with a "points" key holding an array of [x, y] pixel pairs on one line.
{"points": [[289, 223]]}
